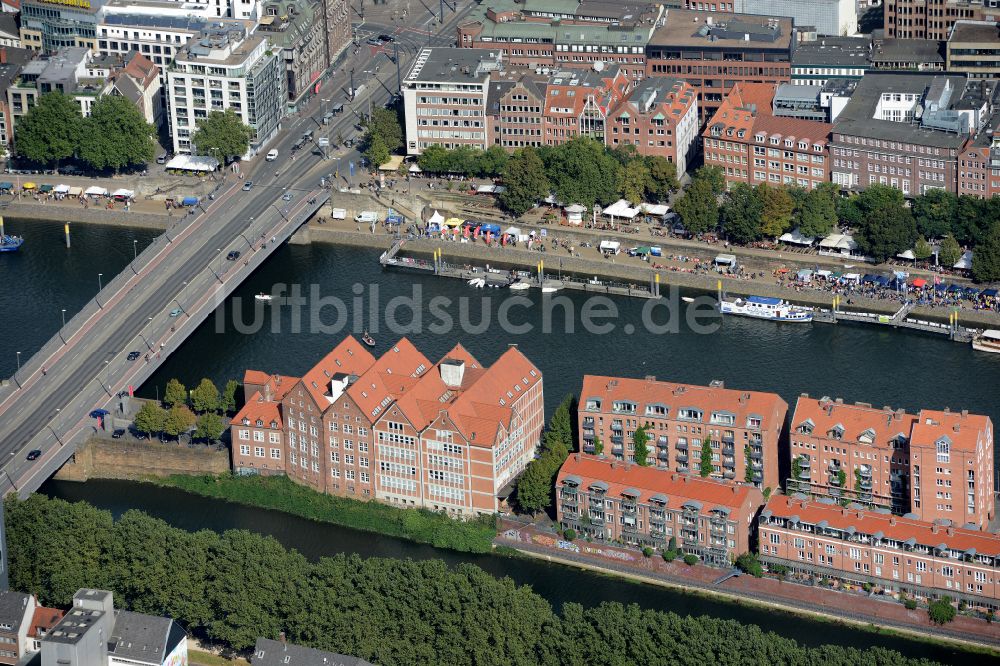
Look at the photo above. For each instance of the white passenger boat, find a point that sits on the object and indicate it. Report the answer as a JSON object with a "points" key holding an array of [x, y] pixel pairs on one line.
{"points": [[478, 283], [520, 286], [267, 298], [761, 307], [987, 341]]}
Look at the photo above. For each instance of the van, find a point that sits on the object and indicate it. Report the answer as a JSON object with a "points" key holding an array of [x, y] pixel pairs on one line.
{"points": [[272, 155], [367, 216], [337, 108], [327, 117], [307, 135], [162, 159]]}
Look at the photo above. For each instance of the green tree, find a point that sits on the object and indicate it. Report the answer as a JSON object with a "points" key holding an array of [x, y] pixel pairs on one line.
{"points": [[698, 208], [705, 466], [376, 152], [662, 176], [209, 427], [598, 446], [941, 611], [971, 219], [222, 135], [582, 171], [950, 252], [50, 131], [535, 487], [986, 258], [150, 418], [922, 249], [116, 135], [714, 176], [741, 214], [841, 478], [175, 393], [384, 123], [492, 162], [525, 181], [178, 421], [817, 214], [205, 396], [748, 467], [691, 559], [778, 207], [887, 227], [797, 467], [229, 396], [639, 442], [635, 179], [748, 563], [934, 211], [434, 159]]}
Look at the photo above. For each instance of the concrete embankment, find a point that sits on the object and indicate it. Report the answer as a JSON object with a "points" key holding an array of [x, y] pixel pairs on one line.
{"points": [[101, 458], [93, 215]]}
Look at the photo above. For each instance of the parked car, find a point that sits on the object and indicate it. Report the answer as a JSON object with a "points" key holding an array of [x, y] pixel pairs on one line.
{"points": [[118, 434], [271, 155], [287, 196], [233, 256], [34, 454], [247, 186], [175, 312], [374, 42], [133, 355]]}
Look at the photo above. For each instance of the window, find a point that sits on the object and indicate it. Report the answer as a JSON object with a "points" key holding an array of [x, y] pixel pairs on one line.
{"points": [[276, 454], [244, 449], [244, 434], [943, 451]]}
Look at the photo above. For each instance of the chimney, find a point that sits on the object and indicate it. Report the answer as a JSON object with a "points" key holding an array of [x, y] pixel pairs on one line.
{"points": [[3, 56], [840, 401], [614, 464], [892, 521], [577, 457], [844, 511], [452, 372], [685, 478], [947, 410], [965, 413], [934, 528], [673, 477], [268, 394], [650, 378], [950, 531]]}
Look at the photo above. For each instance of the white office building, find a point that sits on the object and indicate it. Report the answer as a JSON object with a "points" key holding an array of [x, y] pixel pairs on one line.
{"points": [[221, 69], [829, 17]]}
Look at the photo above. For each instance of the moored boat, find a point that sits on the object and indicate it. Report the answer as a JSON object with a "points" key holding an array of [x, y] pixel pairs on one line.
{"points": [[367, 339], [520, 286], [11, 243], [478, 283], [264, 297], [987, 341], [762, 307]]}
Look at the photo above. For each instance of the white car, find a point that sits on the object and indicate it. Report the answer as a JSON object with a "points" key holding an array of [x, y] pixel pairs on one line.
{"points": [[272, 155]]}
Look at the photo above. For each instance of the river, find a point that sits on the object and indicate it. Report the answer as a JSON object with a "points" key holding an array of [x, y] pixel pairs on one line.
{"points": [[879, 366]]}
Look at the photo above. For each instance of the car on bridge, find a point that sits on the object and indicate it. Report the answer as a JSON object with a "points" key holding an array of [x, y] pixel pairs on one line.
{"points": [[287, 196], [118, 434], [133, 355], [233, 256], [175, 312], [34, 454], [247, 186]]}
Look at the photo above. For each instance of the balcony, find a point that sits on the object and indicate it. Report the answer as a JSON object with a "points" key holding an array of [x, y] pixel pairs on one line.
{"points": [[570, 511], [588, 447], [683, 469], [729, 475], [629, 508], [728, 439], [588, 422], [682, 457], [834, 466], [728, 450], [618, 450], [805, 462], [729, 462], [757, 477], [597, 518], [756, 455], [662, 454], [682, 446], [629, 528]]}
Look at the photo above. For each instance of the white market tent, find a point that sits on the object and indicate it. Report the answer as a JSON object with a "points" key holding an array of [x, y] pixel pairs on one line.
{"points": [[621, 208], [838, 244], [725, 260], [574, 214], [96, 191], [656, 210], [965, 263], [193, 163], [415, 168], [437, 218], [796, 238], [61, 189], [75, 191], [123, 193], [513, 231], [610, 247], [851, 277]]}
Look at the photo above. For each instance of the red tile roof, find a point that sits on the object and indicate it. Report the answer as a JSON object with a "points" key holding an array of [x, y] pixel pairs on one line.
{"points": [[259, 408], [748, 107], [255, 377], [349, 357], [892, 527], [826, 414], [388, 377], [678, 488], [44, 619], [768, 406], [966, 431]]}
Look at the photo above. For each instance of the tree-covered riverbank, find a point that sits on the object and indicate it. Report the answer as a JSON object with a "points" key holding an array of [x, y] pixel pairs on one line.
{"points": [[235, 586]]}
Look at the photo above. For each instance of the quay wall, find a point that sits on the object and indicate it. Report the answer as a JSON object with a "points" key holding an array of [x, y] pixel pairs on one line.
{"points": [[104, 458]]}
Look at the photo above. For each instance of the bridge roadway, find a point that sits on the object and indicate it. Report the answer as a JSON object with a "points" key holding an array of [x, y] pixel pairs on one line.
{"points": [[46, 405]]}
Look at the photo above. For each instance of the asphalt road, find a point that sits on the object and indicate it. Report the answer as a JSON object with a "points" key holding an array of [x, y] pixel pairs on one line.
{"points": [[92, 366]]}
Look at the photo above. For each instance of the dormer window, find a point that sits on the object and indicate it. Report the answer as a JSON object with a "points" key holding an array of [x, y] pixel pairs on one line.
{"points": [[803, 145], [657, 409], [723, 418], [246, 421], [759, 138], [818, 148], [626, 406], [260, 423], [789, 143], [867, 437], [806, 427], [690, 414], [943, 450], [836, 432], [753, 422], [593, 405]]}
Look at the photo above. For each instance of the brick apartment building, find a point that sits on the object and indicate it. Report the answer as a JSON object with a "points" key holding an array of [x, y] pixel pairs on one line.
{"points": [[752, 145], [933, 466], [740, 428], [659, 117], [979, 163], [612, 500], [897, 554], [713, 52], [578, 103], [908, 130], [933, 19], [568, 35], [973, 49], [399, 428]]}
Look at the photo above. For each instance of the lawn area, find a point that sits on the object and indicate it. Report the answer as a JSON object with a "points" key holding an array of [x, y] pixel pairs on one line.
{"points": [[199, 658]]}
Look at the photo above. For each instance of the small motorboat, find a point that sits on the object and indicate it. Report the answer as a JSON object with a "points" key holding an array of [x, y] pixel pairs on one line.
{"points": [[687, 299], [478, 283], [267, 298], [367, 339], [550, 290], [520, 286]]}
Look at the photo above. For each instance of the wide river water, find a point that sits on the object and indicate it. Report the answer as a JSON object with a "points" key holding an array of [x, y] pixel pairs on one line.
{"points": [[879, 366]]}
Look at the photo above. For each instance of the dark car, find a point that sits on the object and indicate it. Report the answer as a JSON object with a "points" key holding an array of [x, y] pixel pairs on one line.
{"points": [[233, 256], [386, 38], [34, 454], [133, 355], [247, 186], [118, 434]]}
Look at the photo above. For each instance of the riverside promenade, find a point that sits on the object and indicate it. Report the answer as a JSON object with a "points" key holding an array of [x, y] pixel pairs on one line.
{"points": [[850, 606]]}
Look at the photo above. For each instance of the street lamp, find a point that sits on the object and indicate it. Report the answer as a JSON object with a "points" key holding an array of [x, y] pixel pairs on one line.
{"points": [[100, 286], [64, 317], [18, 361], [135, 249]]}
